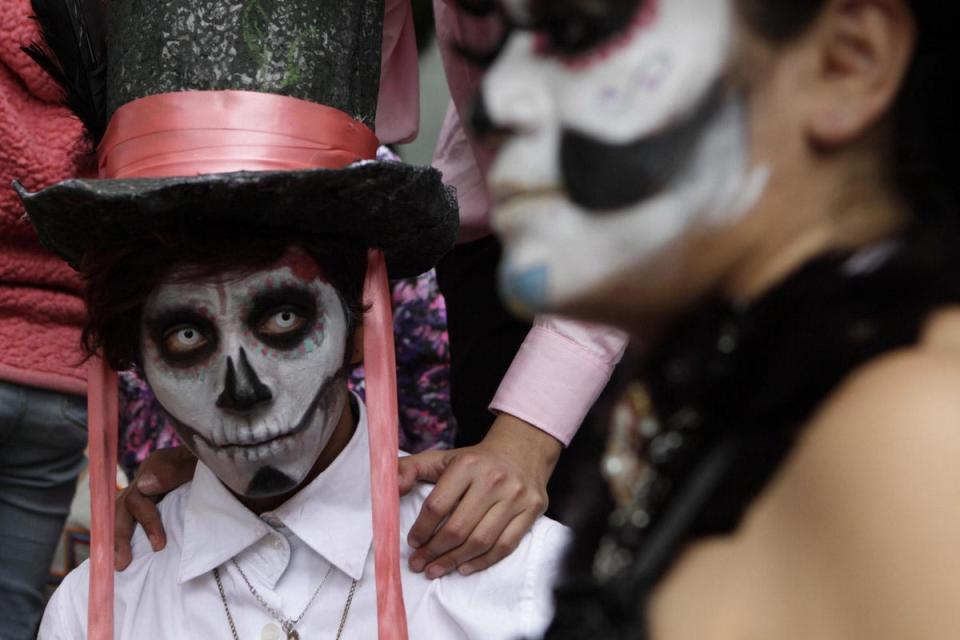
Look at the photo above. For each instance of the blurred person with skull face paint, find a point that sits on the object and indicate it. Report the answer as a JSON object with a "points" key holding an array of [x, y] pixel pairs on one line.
{"points": [[240, 230], [765, 193]]}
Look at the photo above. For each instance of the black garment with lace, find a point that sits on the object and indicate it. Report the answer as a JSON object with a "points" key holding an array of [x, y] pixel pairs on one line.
{"points": [[732, 386]]}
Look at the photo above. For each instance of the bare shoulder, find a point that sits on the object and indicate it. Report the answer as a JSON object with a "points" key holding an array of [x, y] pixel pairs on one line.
{"points": [[874, 489], [907, 399], [899, 413]]}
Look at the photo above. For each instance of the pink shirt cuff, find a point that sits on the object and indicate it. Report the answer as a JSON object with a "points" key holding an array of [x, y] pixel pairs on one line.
{"points": [[555, 379]]}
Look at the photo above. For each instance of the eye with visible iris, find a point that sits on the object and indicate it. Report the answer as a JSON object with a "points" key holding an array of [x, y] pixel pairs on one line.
{"points": [[282, 322], [183, 338], [282, 318]]}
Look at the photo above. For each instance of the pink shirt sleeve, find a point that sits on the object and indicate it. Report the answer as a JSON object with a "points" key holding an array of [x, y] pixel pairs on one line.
{"points": [[562, 365], [398, 107], [558, 373]]}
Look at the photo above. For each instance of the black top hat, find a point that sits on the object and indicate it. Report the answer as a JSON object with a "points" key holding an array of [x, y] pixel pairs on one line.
{"points": [[324, 53]]}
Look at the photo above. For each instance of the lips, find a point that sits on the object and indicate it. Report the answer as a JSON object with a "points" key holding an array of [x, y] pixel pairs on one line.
{"points": [[521, 210], [504, 193]]}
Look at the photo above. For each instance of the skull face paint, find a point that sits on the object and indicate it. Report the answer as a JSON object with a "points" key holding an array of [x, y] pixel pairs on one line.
{"points": [[251, 369], [616, 150]]}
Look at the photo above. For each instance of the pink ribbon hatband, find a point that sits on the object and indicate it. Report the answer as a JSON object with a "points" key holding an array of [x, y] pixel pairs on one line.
{"points": [[195, 132]]}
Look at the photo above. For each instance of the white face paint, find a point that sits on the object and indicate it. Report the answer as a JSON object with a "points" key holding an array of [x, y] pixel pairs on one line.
{"points": [[251, 370], [652, 94]]}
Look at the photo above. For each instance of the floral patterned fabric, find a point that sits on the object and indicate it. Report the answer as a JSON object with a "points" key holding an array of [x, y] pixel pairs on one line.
{"points": [[423, 381]]}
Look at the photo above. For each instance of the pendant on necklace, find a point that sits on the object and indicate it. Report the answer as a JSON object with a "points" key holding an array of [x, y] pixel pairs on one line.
{"points": [[293, 635]]}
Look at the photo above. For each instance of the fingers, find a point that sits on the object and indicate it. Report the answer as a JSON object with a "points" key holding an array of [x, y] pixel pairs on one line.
{"points": [[122, 532], [407, 474], [506, 544], [438, 505], [165, 470], [456, 533], [498, 506], [162, 472], [132, 507], [423, 467], [144, 510], [482, 539]]}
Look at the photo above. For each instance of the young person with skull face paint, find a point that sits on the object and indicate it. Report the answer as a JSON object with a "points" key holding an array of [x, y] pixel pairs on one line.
{"points": [[239, 209], [254, 344], [764, 192]]}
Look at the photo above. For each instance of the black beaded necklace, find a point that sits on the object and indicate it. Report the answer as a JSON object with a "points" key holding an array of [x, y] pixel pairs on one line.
{"points": [[732, 385]]}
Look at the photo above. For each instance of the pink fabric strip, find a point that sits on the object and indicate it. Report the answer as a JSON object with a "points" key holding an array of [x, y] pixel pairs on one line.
{"points": [[398, 107], [194, 132], [102, 422], [379, 362]]}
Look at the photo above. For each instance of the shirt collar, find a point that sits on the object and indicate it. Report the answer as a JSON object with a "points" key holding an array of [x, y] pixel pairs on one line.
{"points": [[331, 514]]}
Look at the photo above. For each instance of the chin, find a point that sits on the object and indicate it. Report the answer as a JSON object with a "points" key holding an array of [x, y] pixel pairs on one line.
{"points": [[269, 481]]}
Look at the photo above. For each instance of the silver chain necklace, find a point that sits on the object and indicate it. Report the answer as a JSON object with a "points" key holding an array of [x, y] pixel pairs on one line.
{"points": [[287, 624]]}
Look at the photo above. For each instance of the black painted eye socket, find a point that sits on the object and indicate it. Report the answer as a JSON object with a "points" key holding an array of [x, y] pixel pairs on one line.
{"points": [[281, 323], [607, 177], [282, 319], [184, 340], [574, 27], [570, 27], [183, 337]]}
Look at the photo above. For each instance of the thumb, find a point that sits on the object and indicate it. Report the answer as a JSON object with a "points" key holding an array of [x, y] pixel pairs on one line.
{"points": [[422, 467]]}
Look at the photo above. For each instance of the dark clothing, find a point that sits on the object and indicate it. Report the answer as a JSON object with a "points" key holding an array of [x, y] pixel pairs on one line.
{"points": [[731, 388], [42, 438], [484, 336]]}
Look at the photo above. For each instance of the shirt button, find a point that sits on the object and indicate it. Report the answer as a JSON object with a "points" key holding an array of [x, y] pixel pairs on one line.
{"points": [[270, 632]]}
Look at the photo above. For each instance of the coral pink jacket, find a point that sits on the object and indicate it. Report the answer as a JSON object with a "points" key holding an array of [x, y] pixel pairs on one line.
{"points": [[41, 311]]}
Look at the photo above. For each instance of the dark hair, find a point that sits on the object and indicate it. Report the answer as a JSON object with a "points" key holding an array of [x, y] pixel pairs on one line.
{"points": [[925, 137], [119, 279]]}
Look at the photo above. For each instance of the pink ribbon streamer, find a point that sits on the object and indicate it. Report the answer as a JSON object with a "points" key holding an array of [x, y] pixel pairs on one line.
{"points": [[380, 365], [102, 428]]}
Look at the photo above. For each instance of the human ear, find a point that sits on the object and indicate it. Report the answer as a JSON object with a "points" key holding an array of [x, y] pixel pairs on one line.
{"points": [[864, 50], [356, 346]]}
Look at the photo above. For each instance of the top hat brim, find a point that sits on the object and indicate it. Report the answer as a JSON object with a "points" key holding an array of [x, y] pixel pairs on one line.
{"points": [[404, 210]]}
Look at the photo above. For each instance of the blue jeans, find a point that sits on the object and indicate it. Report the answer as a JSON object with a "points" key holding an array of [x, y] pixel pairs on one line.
{"points": [[42, 438]]}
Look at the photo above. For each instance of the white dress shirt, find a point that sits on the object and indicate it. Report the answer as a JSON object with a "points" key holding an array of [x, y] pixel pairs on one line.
{"points": [[286, 552]]}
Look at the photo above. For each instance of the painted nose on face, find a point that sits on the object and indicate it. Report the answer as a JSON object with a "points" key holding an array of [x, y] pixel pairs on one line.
{"points": [[519, 89], [242, 390]]}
